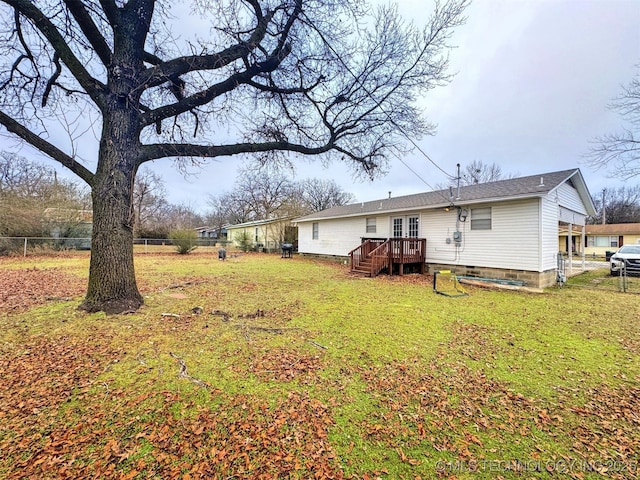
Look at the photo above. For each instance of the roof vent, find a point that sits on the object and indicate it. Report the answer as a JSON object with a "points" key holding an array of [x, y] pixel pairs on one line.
{"points": [[389, 193], [541, 182]]}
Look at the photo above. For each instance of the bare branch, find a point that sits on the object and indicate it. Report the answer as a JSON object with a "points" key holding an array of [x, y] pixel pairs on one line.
{"points": [[620, 152], [90, 30], [156, 151], [45, 147], [58, 42]]}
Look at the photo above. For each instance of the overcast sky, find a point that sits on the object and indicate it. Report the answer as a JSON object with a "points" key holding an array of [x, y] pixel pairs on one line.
{"points": [[533, 81], [532, 85]]}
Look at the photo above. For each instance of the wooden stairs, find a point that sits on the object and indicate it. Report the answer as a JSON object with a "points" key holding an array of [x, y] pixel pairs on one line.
{"points": [[377, 255]]}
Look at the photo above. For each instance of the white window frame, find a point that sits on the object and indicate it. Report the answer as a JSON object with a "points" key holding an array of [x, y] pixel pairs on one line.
{"points": [[315, 231], [370, 225], [608, 241], [481, 218], [413, 226]]}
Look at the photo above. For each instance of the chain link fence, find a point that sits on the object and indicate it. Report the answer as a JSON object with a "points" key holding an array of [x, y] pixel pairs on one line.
{"points": [[41, 245], [597, 275]]}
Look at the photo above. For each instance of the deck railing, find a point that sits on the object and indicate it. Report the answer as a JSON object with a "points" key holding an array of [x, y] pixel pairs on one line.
{"points": [[380, 258], [385, 253], [363, 251]]}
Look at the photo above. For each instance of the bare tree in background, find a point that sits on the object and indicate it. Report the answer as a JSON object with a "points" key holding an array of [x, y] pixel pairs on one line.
{"points": [[27, 189], [265, 191], [229, 208], [335, 78], [149, 202], [181, 217], [620, 152], [480, 172], [318, 194], [622, 205]]}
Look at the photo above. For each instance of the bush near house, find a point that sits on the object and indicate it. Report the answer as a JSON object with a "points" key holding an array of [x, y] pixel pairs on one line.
{"points": [[244, 240], [185, 240]]}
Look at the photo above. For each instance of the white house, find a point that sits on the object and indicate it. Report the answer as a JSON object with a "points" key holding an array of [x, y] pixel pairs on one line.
{"points": [[504, 229], [262, 234]]}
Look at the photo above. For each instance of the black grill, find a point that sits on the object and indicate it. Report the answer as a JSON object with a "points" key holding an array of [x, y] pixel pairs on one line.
{"points": [[287, 250]]}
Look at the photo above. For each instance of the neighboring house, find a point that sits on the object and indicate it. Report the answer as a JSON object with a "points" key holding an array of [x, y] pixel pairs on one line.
{"points": [[601, 239], [577, 240], [71, 227], [212, 233], [267, 235], [505, 229]]}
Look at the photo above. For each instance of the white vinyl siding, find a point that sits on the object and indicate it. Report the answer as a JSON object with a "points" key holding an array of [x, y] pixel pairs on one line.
{"points": [[338, 236], [549, 232], [511, 243], [568, 198]]}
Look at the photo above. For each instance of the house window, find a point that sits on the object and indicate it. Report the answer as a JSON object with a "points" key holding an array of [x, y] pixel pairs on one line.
{"points": [[481, 218], [602, 241], [256, 234], [314, 230], [371, 225]]}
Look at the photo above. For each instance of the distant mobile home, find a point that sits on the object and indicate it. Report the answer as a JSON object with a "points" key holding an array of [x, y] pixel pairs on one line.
{"points": [[505, 229]]}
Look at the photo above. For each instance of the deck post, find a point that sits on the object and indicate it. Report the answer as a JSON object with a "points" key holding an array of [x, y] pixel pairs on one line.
{"points": [[401, 267]]}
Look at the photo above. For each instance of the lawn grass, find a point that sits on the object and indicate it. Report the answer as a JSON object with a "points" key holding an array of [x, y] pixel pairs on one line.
{"points": [[263, 367]]}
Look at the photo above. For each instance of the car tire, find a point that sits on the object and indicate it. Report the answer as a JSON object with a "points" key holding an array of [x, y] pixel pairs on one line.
{"points": [[613, 274]]}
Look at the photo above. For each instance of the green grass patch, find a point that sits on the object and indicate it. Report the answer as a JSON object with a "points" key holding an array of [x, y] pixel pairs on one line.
{"points": [[261, 367]]}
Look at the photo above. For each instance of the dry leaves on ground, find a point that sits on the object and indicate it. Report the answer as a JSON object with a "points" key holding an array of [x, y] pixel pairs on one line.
{"points": [[22, 289]]}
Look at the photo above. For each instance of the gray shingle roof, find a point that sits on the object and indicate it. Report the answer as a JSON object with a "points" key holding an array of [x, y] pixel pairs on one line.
{"points": [[523, 187]]}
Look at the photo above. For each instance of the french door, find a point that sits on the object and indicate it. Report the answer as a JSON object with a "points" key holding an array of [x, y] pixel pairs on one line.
{"points": [[405, 226]]}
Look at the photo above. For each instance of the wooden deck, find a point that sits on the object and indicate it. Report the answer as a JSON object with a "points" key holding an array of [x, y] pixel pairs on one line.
{"points": [[375, 256]]}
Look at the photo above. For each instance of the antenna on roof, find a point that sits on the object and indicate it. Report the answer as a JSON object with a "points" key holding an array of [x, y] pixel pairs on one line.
{"points": [[458, 196]]}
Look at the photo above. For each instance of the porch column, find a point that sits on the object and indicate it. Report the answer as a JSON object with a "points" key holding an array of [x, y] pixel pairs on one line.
{"points": [[582, 246], [570, 248]]}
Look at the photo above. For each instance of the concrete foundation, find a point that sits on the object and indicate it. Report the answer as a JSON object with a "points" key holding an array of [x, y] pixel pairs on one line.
{"points": [[530, 279]]}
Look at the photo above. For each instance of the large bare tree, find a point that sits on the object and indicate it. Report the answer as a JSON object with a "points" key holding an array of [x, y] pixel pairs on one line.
{"points": [[317, 77]]}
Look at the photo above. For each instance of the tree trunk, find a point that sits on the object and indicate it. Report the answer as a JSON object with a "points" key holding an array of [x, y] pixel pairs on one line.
{"points": [[112, 282]]}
